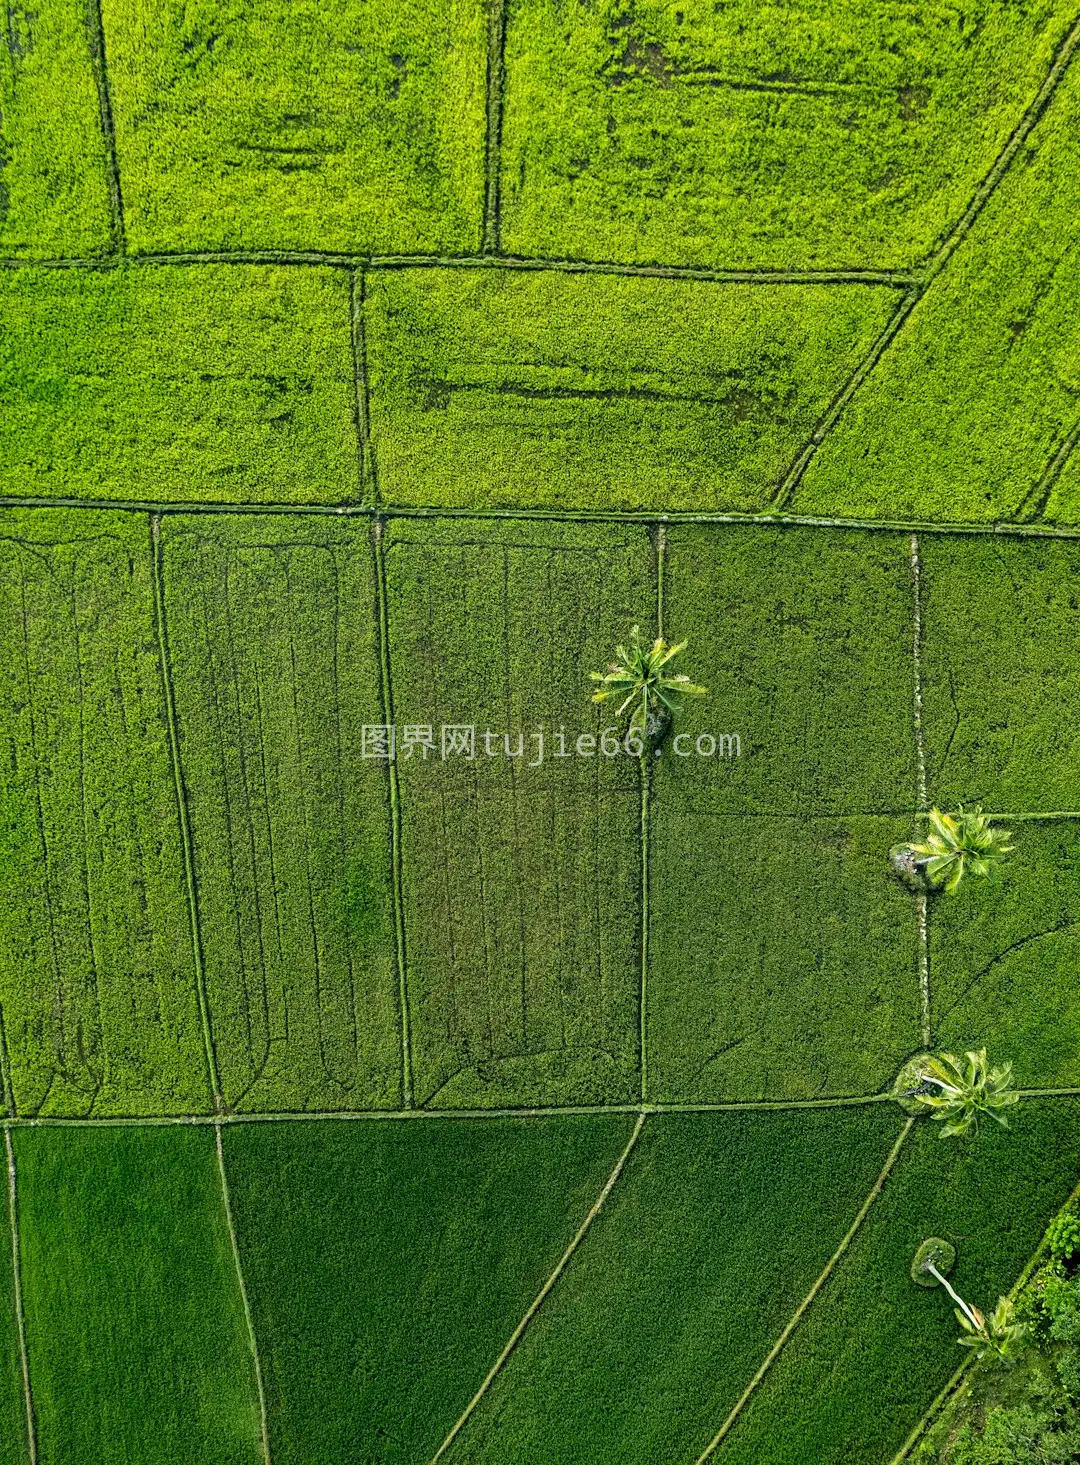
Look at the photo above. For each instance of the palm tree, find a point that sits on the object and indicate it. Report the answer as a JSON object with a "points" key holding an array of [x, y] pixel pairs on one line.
{"points": [[965, 1089], [955, 845], [637, 675], [1000, 1335]]}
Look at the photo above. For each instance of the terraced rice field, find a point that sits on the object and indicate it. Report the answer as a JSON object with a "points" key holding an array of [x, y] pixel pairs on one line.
{"points": [[371, 369]]}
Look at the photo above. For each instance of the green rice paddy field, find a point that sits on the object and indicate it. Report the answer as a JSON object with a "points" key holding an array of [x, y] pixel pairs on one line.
{"points": [[378, 364]]}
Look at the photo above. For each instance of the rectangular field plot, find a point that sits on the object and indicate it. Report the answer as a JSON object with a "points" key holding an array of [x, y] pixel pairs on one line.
{"points": [[1004, 964], [97, 973], [804, 640], [746, 134], [351, 125], [420, 1247], [521, 884], [271, 626], [963, 415], [783, 959], [135, 1323], [511, 387], [1001, 674], [874, 1350], [54, 196], [713, 1236], [229, 383]]}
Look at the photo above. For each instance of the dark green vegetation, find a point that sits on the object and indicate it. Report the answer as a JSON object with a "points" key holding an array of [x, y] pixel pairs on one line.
{"points": [[339, 126], [54, 195], [1006, 965], [715, 1235], [97, 979], [757, 988], [875, 1350], [14, 1434], [750, 135], [521, 884], [272, 637], [212, 382], [135, 1325], [390, 1262], [965, 414], [1001, 728], [536, 387], [1030, 1414]]}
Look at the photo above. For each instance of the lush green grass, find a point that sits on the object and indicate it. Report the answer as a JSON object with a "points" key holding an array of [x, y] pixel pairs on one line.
{"points": [[213, 382], [97, 974], [804, 640], [782, 958], [14, 1435], [1001, 682], [272, 635], [1004, 961], [521, 885], [389, 1262], [539, 387], [135, 1325], [714, 1236], [343, 126], [54, 198], [755, 135], [874, 1349], [969, 406]]}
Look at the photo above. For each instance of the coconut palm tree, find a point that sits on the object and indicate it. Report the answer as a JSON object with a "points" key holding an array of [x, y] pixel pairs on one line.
{"points": [[964, 1089], [998, 1336], [955, 845], [637, 675]]}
